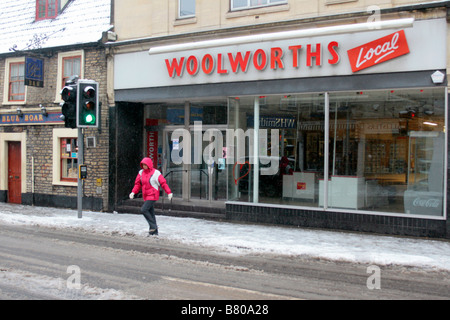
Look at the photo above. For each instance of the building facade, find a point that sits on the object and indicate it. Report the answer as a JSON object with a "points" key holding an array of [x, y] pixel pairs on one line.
{"points": [[325, 113], [42, 45]]}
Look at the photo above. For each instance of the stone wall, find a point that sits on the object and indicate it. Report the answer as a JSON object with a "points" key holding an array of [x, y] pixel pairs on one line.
{"points": [[39, 140]]}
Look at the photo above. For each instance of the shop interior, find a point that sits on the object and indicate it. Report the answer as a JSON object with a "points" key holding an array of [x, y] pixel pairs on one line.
{"points": [[378, 151], [385, 150]]}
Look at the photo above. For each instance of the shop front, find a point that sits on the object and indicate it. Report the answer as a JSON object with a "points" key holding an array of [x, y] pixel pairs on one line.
{"points": [[341, 127]]}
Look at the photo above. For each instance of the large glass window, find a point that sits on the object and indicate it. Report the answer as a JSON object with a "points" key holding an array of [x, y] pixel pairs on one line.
{"points": [[290, 141], [381, 151], [387, 151]]}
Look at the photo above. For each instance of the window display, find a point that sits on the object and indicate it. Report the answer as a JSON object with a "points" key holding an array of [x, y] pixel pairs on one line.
{"points": [[385, 150], [69, 159]]}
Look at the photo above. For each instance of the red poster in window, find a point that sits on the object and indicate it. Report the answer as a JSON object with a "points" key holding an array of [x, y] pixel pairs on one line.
{"points": [[301, 185], [378, 51], [152, 141]]}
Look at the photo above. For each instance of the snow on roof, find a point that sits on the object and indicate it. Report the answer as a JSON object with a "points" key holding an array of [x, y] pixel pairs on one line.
{"points": [[81, 22]]}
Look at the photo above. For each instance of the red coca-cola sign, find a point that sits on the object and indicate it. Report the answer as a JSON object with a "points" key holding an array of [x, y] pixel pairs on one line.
{"points": [[378, 51]]}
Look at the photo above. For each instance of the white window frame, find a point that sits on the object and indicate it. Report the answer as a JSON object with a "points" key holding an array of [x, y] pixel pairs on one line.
{"points": [[58, 134], [187, 15], [249, 6], [6, 100], [61, 57]]}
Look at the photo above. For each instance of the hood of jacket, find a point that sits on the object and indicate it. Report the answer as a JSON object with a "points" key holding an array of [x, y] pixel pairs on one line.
{"points": [[148, 162]]}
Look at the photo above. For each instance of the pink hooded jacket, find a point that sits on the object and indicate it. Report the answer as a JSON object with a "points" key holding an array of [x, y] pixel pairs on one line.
{"points": [[150, 180]]}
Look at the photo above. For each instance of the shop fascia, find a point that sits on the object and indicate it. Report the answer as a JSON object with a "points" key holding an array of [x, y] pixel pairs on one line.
{"points": [[362, 57], [391, 46], [342, 50]]}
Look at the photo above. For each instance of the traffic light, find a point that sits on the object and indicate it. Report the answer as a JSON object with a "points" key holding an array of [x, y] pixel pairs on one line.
{"points": [[87, 104], [69, 106]]}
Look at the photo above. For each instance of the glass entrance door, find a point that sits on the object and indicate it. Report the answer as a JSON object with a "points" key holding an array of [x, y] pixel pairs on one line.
{"points": [[194, 168], [208, 170], [172, 171]]}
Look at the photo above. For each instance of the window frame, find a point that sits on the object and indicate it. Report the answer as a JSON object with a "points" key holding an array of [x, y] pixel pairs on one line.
{"points": [[12, 82], [59, 81], [58, 135], [74, 143], [249, 6], [64, 59], [180, 16], [44, 8], [6, 82]]}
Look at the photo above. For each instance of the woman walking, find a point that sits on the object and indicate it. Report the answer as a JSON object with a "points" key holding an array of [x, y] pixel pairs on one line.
{"points": [[149, 180]]}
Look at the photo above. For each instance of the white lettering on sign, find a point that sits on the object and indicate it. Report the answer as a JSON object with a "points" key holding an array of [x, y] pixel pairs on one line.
{"points": [[426, 203], [378, 51]]}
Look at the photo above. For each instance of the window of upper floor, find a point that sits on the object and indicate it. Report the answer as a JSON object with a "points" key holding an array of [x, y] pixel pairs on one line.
{"points": [[250, 4], [46, 9], [186, 9], [70, 64], [14, 90], [49, 9]]}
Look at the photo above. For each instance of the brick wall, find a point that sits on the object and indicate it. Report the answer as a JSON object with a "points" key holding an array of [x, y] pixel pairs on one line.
{"points": [[40, 136]]}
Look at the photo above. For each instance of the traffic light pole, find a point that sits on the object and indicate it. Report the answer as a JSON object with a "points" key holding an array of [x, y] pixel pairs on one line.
{"points": [[81, 109], [80, 181]]}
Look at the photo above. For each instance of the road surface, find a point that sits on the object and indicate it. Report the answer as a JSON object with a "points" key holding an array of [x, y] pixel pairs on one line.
{"points": [[51, 263]]}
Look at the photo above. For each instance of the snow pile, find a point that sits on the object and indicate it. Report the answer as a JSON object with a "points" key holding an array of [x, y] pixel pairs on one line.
{"points": [[244, 239], [56, 288]]}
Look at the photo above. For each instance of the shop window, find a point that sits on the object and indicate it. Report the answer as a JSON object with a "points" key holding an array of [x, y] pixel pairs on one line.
{"points": [[383, 151], [65, 155], [16, 90], [212, 113], [174, 114], [47, 9], [387, 151], [248, 4], [69, 159], [293, 162], [186, 8]]}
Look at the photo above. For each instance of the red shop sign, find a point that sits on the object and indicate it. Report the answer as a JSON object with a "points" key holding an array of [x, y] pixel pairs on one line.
{"points": [[378, 51], [152, 142]]}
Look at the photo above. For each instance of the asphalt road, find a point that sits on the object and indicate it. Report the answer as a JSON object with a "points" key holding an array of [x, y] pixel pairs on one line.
{"points": [[46, 263]]}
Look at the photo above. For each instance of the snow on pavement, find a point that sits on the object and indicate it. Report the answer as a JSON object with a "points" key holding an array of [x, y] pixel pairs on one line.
{"points": [[244, 239], [57, 288]]}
